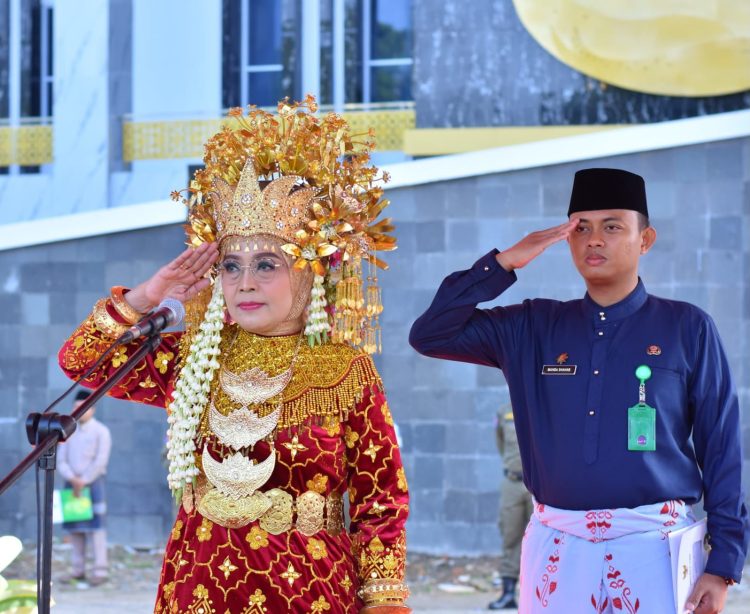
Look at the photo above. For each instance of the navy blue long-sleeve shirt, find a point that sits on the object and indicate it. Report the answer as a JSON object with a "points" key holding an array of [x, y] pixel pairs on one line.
{"points": [[573, 429]]}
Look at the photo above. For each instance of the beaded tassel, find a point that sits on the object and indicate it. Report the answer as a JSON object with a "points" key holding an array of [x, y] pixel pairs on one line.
{"points": [[373, 308], [349, 305]]}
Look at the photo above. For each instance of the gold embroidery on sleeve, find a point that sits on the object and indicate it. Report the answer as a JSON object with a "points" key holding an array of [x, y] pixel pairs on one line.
{"points": [[119, 357], [402, 484], [382, 570], [162, 361]]}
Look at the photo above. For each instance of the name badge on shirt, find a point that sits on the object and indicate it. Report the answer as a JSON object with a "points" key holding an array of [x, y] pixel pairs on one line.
{"points": [[559, 369]]}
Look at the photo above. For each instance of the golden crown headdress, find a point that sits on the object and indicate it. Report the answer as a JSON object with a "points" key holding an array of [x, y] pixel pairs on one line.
{"points": [[322, 196], [245, 210]]}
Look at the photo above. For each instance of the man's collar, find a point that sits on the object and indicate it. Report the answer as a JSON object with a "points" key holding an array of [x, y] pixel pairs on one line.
{"points": [[622, 309]]}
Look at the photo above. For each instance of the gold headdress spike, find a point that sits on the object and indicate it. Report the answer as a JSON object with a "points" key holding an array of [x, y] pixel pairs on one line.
{"points": [[322, 198], [245, 211]]}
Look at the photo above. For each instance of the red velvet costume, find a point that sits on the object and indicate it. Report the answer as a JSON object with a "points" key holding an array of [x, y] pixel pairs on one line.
{"points": [[335, 435]]}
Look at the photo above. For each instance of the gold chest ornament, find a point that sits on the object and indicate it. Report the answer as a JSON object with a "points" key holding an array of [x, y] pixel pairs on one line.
{"points": [[235, 480]]}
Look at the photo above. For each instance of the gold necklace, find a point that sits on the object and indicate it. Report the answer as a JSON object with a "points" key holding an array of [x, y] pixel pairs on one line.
{"points": [[236, 476], [255, 385]]}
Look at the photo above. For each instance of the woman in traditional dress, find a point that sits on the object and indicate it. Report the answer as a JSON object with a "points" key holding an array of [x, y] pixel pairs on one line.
{"points": [[275, 407]]}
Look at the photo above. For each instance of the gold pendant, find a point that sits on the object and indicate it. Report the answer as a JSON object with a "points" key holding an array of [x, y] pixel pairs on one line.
{"points": [[242, 427], [253, 386], [237, 476]]}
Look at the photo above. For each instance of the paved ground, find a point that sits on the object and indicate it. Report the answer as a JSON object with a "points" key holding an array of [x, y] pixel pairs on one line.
{"points": [[434, 581], [105, 600]]}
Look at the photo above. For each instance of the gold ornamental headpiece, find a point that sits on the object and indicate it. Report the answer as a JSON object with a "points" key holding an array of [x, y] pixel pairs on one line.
{"points": [[279, 209], [308, 181]]}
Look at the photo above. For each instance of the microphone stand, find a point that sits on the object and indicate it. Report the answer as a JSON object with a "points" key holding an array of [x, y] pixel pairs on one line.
{"points": [[45, 431]]}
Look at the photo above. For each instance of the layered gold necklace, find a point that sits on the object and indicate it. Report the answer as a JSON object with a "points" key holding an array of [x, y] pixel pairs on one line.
{"points": [[236, 479]]}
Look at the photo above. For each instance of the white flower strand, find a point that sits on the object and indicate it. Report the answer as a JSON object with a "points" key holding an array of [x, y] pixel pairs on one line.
{"points": [[318, 327], [191, 394]]}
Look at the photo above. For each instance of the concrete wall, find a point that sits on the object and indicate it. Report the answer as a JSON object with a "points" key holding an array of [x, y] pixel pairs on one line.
{"points": [[699, 198], [44, 292]]}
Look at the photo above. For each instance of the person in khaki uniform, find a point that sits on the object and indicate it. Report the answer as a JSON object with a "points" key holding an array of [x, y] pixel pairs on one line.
{"points": [[515, 508]]}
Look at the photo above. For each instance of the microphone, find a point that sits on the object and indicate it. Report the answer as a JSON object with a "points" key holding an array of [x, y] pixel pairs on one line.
{"points": [[169, 312]]}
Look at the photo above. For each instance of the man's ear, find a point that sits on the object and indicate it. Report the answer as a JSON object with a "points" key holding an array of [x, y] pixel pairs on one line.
{"points": [[648, 238]]}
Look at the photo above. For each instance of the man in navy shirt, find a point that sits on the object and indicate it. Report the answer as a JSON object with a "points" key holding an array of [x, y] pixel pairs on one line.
{"points": [[625, 409]]}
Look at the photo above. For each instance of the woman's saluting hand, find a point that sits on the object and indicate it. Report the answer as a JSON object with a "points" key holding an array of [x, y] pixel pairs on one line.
{"points": [[181, 279]]}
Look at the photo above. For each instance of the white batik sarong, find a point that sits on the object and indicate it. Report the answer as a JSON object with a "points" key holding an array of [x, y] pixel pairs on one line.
{"points": [[600, 561]]}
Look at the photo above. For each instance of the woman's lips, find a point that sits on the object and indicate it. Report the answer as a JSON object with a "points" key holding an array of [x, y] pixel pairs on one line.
{"points": [[249, 306]]}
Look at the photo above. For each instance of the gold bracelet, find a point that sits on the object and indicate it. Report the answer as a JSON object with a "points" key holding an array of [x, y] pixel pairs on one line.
{"points": [[384, 591], [128, 313], [105, 322]]}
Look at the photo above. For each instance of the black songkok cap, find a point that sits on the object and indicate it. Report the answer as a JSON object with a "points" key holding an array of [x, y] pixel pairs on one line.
{"points": [[82, 395], [595, 189]]}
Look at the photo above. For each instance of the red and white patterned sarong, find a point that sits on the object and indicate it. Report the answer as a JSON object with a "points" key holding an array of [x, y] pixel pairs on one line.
{"points": [[600, 561]]}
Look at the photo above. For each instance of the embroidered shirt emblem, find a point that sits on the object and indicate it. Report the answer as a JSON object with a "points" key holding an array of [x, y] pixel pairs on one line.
{"points": [[562, 358], [653, 350]]}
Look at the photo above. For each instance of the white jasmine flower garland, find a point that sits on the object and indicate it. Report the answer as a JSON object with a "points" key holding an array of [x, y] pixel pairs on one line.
{"points": [[191, 395], [318, 327]]}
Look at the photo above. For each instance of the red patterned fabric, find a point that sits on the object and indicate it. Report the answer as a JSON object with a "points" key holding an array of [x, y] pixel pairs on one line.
{"points": [[248, 570]]}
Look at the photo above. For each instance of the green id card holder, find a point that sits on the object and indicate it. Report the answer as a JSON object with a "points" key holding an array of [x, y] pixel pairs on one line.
{"points": [[642, 428]]}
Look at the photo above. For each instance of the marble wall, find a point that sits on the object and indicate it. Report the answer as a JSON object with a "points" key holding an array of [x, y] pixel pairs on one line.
{"points": [[508, 79], [80, 173], [151, 60], [699, 197]]}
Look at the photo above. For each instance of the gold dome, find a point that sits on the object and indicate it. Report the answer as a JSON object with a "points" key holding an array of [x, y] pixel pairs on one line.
{"points": [[667, 47]]}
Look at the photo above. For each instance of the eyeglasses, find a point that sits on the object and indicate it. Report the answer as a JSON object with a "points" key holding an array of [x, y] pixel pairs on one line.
{"points": [[263, 269]]}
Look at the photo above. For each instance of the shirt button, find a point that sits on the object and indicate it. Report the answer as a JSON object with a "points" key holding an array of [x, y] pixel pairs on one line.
{"points": [[596, 371], [601, 333], [591, 412], [602, 318], [486, 268]]}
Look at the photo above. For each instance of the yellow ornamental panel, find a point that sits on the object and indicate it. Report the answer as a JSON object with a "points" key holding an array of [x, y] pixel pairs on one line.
{"points": [[6, 146], [389, 126], [159, 140], [25, 145], [667, 47], [33, 145]]}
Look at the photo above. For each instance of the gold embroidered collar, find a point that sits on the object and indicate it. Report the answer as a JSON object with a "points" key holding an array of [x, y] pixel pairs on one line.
{"points": [[326, 380]]}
